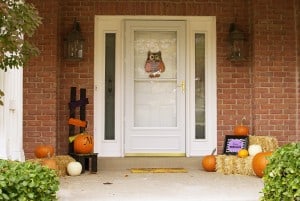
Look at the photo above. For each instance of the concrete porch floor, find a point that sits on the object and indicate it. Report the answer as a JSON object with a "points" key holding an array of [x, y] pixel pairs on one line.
{"points": [[117, 183]]}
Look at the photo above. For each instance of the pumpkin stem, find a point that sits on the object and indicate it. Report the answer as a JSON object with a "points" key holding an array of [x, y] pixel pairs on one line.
{"points": [[213, 151], [242, 121], [73, 137]]}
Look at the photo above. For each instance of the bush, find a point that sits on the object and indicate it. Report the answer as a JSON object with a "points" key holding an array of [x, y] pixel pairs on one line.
{"points": [[282, 174], [24, 181], [17, 18]]}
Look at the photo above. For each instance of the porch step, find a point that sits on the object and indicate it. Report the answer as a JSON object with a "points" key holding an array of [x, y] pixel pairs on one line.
{"points": [[115, 163]]}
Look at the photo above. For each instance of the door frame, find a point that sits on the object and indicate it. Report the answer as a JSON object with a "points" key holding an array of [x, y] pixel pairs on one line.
{"points": [[115, 24]]}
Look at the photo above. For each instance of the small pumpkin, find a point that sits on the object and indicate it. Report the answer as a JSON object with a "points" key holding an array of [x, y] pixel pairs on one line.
{"points": [[241, 129], [209, 163], [83, 144], [74, 168], [243, 153], [260, 162], [254, 149], [43, 151], [50, 163]]}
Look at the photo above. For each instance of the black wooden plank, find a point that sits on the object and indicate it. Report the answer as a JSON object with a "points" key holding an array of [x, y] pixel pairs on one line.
{"points": [[82, 108], [72, 115]]}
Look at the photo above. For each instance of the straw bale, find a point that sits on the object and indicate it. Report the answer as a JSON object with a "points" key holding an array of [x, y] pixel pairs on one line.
{"points": [[232, 164], [61, 160], [267, 143]]}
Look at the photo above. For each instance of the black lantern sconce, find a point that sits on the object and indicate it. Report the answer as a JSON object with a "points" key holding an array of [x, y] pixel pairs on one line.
{"points": [[73, 43], [237, 41]]}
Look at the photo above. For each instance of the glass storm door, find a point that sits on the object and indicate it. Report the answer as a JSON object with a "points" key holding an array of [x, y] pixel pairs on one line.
{"points": [[155, 88]]}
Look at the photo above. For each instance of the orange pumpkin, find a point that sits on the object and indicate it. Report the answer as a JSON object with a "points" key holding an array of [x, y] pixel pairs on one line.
{"points": [[209, 163], [43, 151], [260, 162], [84, 144], [241, 129]]}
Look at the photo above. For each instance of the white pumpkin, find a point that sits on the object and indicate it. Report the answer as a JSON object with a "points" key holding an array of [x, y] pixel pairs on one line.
{"points": [[254, 149], [74, 168]]}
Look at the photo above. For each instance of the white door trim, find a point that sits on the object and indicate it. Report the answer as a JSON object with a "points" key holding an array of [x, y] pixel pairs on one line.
{"points": [[199, 147], [11, 115], [115, 24]]}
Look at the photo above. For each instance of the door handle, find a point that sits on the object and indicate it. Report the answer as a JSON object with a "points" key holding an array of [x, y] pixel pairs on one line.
{"points": [[110, 87], [182, 86]]}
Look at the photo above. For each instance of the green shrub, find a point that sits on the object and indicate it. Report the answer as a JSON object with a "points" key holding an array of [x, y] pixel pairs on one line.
{"points": [[16, 17], [24, 181], [282, 175]]}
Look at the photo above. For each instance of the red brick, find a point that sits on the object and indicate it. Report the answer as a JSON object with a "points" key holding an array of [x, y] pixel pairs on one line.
{"points": [[259, 88]]}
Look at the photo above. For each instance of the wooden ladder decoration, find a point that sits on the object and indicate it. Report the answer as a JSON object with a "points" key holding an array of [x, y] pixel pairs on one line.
{"points": [[87, 161], [74, 123]]}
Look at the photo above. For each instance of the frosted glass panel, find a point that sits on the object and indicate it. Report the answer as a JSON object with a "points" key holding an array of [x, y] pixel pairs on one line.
{"points": [[110, 68], [200, 85], [155, 72]]}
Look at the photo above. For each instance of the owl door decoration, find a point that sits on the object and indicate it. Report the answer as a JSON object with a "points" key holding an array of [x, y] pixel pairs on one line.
{"points": [[154, 64]]}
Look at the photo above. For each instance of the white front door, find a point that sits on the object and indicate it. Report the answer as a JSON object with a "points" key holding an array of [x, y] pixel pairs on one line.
{"points": [[155, 87], [158, 109]]}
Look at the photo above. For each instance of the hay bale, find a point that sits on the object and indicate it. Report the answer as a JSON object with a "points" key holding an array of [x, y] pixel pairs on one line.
{"points": [[61, 160], [267, 143], [231, 164]]}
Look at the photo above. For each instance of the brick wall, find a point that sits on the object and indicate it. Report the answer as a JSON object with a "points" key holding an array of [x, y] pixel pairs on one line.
{"points": [[263, 88], [274, 70], [41, 82]]}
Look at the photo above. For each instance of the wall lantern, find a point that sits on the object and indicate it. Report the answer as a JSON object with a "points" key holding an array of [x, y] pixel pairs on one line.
{"points": [[73, 43], [237, 41]]}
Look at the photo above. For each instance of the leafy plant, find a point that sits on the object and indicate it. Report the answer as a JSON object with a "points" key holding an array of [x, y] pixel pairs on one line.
{"points": [[18, 20], [282, 174], [24, 181]]}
